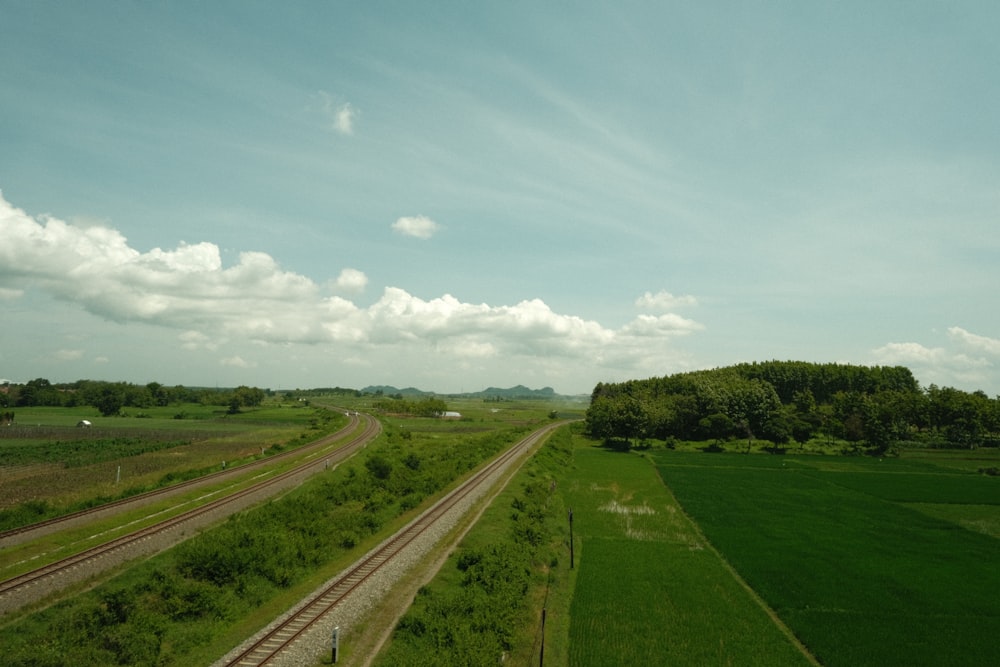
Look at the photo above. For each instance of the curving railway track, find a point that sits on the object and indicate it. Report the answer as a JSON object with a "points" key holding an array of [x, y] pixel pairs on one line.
{"points": [[25, 533], [31, 586], [268, 648]]}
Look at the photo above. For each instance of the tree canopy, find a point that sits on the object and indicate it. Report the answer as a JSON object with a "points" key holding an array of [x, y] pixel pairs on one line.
{"points": [[873, 407], [109, 398]]}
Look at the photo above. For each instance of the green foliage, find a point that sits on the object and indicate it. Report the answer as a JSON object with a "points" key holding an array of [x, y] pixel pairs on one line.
{"points": [[473, 614], [176, 602], [425, 407], [874, 408]]}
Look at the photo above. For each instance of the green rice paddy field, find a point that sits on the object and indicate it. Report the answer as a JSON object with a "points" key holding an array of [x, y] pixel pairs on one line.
{"points": [[650, 590], [868, 562]]}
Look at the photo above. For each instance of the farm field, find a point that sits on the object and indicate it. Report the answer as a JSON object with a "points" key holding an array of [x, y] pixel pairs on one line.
{"points": [[49, 467], [190, 604], [868, 561], [649, 589]]}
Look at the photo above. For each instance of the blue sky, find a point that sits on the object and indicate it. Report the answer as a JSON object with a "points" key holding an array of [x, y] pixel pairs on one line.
{"points": [[457, 195]]}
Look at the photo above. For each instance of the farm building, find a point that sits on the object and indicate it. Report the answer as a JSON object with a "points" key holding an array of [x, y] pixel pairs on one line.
{"points": [[450, 414], [84, 423]]}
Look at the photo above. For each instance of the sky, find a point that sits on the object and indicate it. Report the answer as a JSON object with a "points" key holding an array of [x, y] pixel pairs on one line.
{"points": [[455, 195]]}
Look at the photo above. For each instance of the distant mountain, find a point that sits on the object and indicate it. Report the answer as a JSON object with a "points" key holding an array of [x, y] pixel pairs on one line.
{"points": [[520, 391], [389, 390]]}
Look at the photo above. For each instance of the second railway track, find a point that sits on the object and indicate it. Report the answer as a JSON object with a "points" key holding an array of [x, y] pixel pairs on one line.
{"points": [[15, 536], [31, 586]]}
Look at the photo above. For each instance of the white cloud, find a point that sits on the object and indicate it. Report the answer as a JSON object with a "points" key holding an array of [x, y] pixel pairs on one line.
{"points": [[68, 355], [343, 119], [662, 325], [215, 307], [350, 280], [419, 226], [990, 346], [340, 115], [910, 353], [195, 340], [968, 364], [664, 301], [236, 362]]}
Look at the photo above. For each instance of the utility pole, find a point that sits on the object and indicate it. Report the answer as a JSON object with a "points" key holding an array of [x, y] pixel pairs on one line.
{"points": [[571, 538]]}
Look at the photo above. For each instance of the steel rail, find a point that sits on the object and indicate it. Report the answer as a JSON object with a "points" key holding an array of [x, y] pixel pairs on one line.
{"points": [[272, 643], [168, 491], [23, 582]]}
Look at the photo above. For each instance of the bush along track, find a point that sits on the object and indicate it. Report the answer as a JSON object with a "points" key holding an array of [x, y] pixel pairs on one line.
{"points": [[168, 609], [482, 607]]}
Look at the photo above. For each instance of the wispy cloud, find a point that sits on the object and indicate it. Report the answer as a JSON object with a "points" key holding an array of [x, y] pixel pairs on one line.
{"points": [[341, 116], [236, 362], [418, 226], [664, 301]]}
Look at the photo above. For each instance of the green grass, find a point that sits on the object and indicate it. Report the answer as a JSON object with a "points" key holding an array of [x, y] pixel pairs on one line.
{"points": [[648, 590], [49, 467], [195, 601], [485, 601], [862, 580]]}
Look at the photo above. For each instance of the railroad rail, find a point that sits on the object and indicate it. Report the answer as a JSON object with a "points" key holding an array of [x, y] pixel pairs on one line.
{"points": [[17, 591], [270, 645], [30, 531]]}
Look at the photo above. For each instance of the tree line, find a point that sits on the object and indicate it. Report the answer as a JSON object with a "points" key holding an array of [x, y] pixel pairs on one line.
{"points": [[873, 408], [111, 397]]}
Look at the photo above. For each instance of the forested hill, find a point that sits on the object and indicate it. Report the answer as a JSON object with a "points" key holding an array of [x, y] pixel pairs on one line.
{"points": [[873, 407]]}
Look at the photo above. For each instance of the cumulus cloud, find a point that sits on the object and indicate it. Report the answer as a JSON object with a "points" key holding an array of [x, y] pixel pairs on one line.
{"points": [[664, 301], [967, 360], [212, 306], [988, 346], [910, 353], [350, 280], [419, 226]]}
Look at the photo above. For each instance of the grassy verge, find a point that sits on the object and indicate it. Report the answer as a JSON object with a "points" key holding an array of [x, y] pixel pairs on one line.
{"points": [[484, 604], [192, 603], [643, 589]]}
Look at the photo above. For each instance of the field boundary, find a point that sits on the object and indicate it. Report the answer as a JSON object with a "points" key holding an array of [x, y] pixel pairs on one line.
{"points": [[773, 615]]}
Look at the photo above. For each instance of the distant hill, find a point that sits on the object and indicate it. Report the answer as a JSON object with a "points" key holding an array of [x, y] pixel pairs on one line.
{"points": [[389, 390], [520, 391]]}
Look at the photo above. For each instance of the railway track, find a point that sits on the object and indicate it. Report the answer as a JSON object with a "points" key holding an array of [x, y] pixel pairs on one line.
{"points": [[30, 586], [268, 647], [24, 533]]}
